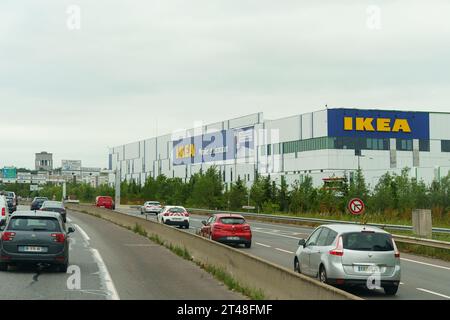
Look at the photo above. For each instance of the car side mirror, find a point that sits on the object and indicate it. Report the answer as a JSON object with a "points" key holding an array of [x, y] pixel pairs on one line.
{"points": [[204, 222], [71, 230], [2, 227], [302, 243]]}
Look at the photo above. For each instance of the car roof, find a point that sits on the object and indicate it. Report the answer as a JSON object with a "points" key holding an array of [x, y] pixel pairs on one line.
{"points": [[229, 215], [36, 213], [344, 228], [170, 207], [51, 202]]}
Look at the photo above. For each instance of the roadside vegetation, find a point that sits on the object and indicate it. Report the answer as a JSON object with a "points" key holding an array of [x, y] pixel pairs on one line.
{"points": [[391, 200]]}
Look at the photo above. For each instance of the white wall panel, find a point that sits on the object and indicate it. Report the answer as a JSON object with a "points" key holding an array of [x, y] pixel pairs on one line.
{"points": [[132, 151], [440, 126], [320, 124], [306, 126]]}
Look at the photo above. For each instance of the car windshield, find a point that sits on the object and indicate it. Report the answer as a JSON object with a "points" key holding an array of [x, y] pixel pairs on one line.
{"points": [[175, 210], [34, 224], [368, 241], [232, 220], [153, 203]]}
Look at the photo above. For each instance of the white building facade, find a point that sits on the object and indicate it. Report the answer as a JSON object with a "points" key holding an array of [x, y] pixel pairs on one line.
{"points": [[323, 144]]}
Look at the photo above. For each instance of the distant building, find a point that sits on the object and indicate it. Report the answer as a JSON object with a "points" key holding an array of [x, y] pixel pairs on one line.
{"points": [[44, 161]]}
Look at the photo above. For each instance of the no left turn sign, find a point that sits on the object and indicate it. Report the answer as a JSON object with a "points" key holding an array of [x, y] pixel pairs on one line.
{"points": [[356, 206]]}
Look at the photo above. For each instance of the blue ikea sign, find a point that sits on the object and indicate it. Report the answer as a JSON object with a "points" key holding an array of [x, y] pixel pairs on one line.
{"points": [[378, 124]]}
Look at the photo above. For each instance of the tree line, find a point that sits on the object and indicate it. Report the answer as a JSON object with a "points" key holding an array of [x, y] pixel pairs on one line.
{"points": [[394, 195]]}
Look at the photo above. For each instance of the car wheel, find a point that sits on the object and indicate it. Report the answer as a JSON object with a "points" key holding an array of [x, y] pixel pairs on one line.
{"points": [[248, 245], [3, 267], [186, 226], [391, 290], [323, 275], [297, 265]]}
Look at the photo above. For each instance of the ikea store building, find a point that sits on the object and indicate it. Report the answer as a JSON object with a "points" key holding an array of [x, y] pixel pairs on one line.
{"points": [[327, 144]]}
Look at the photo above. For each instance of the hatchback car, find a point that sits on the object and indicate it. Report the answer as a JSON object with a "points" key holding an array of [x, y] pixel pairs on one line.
{"points": [[106, 202], [174, 216], [151, 207], [11, 204], [35, 237], [350, 255], [37, 203], [55, 206], [227, 228]]}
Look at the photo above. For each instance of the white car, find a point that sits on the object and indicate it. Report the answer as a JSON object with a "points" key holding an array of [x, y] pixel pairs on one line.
{"points": [[4, 210], [174, 216], [151, 207]]}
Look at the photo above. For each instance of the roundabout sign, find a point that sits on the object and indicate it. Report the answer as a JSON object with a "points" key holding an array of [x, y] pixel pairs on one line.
{"points": [[356, 206]]}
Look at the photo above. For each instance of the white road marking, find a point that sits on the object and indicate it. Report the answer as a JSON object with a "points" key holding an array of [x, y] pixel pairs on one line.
{"points": [[141, 245], [277, 234], [426, 264], [105, 276], [401, 283], [290, 252], [435, 293], [83, 233], [69, 220], [263, 245]]}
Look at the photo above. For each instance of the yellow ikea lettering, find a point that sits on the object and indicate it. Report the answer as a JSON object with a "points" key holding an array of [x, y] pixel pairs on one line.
{"points": [[364, 124], [186, 151], [383, 124], [401, 124], [348, 123]]}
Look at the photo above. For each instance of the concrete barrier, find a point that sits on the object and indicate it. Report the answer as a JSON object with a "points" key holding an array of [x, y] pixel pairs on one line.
{"points": [[276, 282]]}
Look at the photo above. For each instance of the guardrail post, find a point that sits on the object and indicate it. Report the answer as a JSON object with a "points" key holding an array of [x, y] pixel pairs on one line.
{"points": [[422, 225]]}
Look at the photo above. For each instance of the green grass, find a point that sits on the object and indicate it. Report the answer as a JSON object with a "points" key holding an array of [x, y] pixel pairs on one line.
{"points": [[437, 253], [435, 236], [232, 284]]}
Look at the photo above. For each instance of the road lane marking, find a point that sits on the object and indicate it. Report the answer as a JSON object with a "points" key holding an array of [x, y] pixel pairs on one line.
{"points": [[285, 251], [401, 283], [83, 233], [277, 234], [435, 293], [69, 220], [426, 264], [263, 245], [105, 276]]}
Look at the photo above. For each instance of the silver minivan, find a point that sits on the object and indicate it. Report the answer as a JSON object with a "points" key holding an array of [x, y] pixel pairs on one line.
{"points": [[349, 255]]}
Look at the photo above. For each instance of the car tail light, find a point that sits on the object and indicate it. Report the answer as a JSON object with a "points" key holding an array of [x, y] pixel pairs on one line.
{"points": [[59, 237], [8, 236], [397, 253], [3, 212], [339, 250], [186, 214], [166, 214], [246, 228]]}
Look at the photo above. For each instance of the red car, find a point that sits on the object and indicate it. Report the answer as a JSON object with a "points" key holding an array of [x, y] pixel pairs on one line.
{"points": [[227, 228], [105, 202]]}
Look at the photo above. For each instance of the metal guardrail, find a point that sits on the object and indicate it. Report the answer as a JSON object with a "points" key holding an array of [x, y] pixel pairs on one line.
{"points": [[316, 220]]}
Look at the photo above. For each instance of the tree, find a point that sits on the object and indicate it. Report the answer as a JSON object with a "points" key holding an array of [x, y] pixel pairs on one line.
{"points": [[237, 196]]}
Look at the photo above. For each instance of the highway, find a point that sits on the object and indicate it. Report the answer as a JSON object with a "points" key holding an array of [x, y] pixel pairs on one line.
{"points": [[422, 278], [113, 263]]}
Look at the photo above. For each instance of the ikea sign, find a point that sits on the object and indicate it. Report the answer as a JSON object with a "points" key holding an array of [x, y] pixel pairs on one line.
{"points": [[378, 124]]}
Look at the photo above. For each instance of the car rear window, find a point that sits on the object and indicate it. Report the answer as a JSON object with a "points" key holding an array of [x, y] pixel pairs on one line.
{"points": [[176, 210], [232, 220], [153, 203], [34, 224], [48, 204], [368, 241]]}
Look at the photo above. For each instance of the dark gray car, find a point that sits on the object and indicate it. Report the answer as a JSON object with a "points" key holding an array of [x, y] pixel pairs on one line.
{"points": [[35, 237]]}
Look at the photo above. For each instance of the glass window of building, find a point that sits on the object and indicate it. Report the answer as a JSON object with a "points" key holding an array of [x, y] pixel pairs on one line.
{"points": [[445, 145]]}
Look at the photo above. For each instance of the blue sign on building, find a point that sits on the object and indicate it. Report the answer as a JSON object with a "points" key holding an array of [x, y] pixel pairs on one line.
{"points": [[378, 124], [218, 146]]}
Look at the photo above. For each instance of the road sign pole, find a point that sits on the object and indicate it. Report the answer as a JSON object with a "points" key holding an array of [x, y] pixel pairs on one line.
{"points": [[117, 188]]}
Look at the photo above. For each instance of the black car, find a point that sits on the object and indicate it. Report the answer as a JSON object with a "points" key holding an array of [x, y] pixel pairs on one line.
{"points": [[35, 237], [11, 204], [37, 203], [55, 206]]}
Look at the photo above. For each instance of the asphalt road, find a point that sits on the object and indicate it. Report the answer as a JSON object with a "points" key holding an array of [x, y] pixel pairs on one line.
{"points": [[110, 262], [422, 278]]}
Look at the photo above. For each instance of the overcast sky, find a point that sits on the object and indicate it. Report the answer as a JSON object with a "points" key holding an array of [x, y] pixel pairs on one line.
{"points": [[133, 64]]}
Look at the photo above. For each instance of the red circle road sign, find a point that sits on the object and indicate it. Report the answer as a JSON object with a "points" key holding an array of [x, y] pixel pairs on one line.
{"points": [[356, 206]]}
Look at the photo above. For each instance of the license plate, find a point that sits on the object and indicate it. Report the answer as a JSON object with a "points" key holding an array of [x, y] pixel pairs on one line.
{"points": [[177, 219], [233, 238], [362, 268], [32, 249]]}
